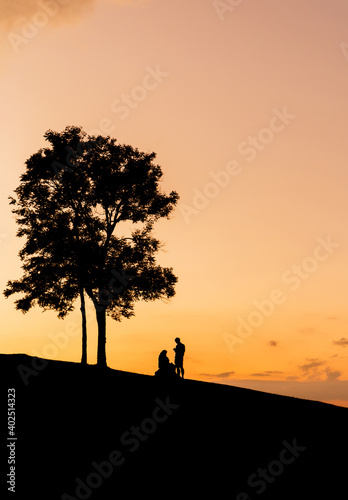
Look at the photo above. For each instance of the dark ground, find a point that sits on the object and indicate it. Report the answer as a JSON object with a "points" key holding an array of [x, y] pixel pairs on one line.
{"points": [[166, 440]]}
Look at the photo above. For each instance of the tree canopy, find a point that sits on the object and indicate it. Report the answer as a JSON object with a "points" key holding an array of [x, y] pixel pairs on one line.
{"points": [[72, 204]]}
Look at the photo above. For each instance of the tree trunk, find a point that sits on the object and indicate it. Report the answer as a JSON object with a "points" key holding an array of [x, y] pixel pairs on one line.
{"points": [[101, 320], [84, 328]]}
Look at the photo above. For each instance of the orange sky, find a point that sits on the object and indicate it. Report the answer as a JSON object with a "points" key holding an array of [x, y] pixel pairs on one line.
{"points": [[246, 108]]}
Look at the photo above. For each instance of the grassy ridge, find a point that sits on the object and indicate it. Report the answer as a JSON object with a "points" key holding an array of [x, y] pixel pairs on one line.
{"points": [[85, 433]]}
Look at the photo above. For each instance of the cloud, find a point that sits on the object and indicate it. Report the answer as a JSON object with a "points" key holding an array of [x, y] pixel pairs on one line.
{"points": [[307, 331], [343, 342], [312, 365], [22, 20], [15, 12], [218, 375], [266, 373], [332, 375], [313, 372]]}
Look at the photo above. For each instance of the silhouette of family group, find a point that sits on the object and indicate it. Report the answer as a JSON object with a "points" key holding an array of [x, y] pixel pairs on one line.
{"points": [[168, 369]]}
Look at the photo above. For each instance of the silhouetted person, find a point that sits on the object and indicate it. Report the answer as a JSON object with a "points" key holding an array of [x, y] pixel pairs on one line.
{"points": [[163, 361], [165, 367], [179, 357]]}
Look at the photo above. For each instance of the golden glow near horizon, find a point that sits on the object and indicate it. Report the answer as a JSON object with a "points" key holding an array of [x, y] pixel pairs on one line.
{"points": [[246, 108]]}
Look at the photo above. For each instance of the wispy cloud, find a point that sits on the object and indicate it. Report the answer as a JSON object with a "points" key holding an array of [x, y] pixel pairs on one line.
{"points": [[313, 371], [332, 375], [312, 365], [307, 331], [343, 342], [13, 12], [218, 375], [19, 12], [266, 373]]}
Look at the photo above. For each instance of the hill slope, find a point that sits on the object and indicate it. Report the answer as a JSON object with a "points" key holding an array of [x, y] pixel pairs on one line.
{"points": [[82, 433]]}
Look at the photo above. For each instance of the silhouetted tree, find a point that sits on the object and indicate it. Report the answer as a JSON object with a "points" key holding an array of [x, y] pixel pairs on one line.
{"points": [[53, 253], [70, 201]]}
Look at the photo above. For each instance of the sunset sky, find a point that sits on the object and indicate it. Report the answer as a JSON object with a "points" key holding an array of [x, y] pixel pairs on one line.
{"points": [[245, 103]]}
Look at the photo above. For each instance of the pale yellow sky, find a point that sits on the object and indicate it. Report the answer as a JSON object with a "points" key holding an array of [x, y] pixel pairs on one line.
{"points": [[247, 111]]}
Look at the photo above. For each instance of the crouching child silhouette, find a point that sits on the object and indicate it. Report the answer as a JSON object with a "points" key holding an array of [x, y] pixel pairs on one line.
{"points": [[166, 369]]}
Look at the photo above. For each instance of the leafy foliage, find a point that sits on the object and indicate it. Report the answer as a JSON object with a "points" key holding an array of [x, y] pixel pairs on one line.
{"points": [[70, 201]]}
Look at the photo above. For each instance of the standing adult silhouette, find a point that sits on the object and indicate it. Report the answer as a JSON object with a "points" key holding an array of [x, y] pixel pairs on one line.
{"points": [[179, 357]]}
